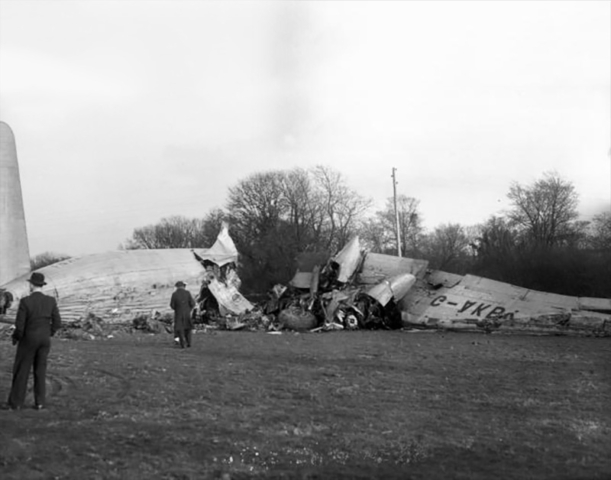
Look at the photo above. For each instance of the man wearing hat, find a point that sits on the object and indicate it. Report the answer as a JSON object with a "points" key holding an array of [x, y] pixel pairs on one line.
{"points": [[37, 320], [182, 303]]}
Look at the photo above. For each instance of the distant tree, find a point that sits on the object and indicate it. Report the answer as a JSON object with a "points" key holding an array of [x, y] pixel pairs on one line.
{"points": [[545, 212], [256, 203], [176, 232], [504, 254], [302, 215], [448, 248], [375, 236], [410, 225], [47, 258], [599, 232], [339, 206], [379, 232], [257, 208], [278, 203], [496, 247], [598, 251]]}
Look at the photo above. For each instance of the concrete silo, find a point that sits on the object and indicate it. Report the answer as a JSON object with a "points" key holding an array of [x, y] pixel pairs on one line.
{"points": [[14, 250]]}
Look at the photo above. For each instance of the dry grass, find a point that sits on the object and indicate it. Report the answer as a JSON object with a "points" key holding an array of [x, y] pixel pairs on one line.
{"points": [[345, 405]]}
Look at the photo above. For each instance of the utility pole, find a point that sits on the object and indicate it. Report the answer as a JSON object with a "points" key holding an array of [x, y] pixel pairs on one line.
{"points": [[397, 227]]}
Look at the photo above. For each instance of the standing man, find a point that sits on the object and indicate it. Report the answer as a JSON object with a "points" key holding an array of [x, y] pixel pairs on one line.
{"points": [[182, 303], [37, 321]]}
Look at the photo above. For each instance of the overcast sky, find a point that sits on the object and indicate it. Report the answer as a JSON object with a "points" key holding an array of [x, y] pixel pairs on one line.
{"points": [[125, 112]]}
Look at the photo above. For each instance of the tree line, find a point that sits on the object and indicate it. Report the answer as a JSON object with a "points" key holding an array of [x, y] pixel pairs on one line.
{"points": [[538, 243]]}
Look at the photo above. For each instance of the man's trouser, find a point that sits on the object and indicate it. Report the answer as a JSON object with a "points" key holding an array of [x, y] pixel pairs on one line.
{"points": [[32, 350]]}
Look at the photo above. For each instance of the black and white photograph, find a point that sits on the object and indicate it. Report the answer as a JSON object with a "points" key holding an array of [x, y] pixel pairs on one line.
{"points": [[305, 239]]}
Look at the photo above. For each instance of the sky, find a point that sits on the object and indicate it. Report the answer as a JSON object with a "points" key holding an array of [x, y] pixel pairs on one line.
{"points": [[128, 111]]}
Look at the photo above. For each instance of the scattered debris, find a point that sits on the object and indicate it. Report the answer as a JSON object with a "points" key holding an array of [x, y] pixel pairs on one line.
{"points": [[153, 323], [330, 297], [351, 290], [89, 328]]}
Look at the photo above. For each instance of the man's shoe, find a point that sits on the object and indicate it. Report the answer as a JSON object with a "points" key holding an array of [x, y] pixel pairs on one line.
{"points": [[39, 406]]}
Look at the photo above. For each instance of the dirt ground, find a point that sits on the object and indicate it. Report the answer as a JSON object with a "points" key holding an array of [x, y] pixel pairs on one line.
{"points": [[342, 405]]}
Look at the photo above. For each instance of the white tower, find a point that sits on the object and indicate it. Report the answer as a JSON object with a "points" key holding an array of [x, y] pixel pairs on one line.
{"points": [[14, 249]]}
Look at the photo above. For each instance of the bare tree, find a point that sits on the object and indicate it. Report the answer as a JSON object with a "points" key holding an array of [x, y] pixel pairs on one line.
{"points": [[379, 231], [447, 247], [545, 212], [496, 246], [257, 204], [599, 232], [171, 232], [341, 207], [304, 214], [376, 237], [47, 258]]}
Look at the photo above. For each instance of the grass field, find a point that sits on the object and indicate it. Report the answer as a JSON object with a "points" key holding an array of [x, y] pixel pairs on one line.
{"points": [[363, 404]]}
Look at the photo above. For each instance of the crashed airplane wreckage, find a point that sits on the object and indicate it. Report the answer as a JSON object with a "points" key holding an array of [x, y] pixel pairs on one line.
{"points": [[119, 286], [352, 290], [356, 289]]}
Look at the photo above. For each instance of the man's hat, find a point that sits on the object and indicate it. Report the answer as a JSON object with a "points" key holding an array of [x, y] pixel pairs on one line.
{"points": [[180, 284], [37, 279]]}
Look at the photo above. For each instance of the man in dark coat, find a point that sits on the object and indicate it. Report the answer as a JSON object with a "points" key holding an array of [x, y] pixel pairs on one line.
{"points": [[182, 303], [37, 321]]}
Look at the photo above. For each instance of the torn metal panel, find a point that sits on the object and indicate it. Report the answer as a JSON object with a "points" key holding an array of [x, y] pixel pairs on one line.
{"points": [[222, 252], [331, 308], [306, 280], [232, 277], [377, 266], [348, 260], [315, 280], [301, 280], [308, 266], [438, 279], [229, 299], [552, 300], [541, 299], [393, 288], [482, 304], [595, 304], [494, 287]]}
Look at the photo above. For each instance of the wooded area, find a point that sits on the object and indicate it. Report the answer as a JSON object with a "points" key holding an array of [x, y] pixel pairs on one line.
{"points": [[539, 243]]}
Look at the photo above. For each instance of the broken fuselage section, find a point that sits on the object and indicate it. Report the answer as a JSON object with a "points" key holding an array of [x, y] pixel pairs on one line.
{"points": [[351, 290], [121, 285], [356, 289]]}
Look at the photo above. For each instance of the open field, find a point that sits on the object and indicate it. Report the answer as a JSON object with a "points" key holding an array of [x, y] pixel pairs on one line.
{"points": [[363, 404]]}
